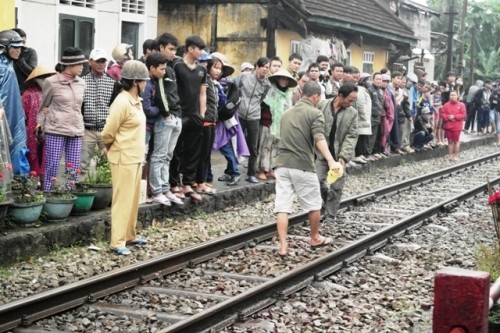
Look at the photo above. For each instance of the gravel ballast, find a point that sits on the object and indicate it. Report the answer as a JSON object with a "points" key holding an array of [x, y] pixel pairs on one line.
{"points": [[392, 295]]}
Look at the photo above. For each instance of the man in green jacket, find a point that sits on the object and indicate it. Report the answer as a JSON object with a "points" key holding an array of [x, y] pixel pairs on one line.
{"points": [[302, 130], [341, 134]]}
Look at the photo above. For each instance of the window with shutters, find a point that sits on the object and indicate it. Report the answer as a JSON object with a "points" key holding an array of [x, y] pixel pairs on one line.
{"points": [[133, 6], [295, 46], [76, 31], [79, 3], [130, 35], [368, 58], [347, 61]]}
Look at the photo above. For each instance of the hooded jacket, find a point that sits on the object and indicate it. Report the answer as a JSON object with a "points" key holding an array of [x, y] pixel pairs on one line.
{"points": [[10, 97], [472, 91]]}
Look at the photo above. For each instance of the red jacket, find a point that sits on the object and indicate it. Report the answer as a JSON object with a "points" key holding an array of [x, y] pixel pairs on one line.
{"points": [[456, 109]]}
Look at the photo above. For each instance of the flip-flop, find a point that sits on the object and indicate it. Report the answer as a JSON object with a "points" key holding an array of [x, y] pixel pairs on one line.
{"points": [[178, 194], [327, 241], [121, 251], [194, 196], [208, 191]]}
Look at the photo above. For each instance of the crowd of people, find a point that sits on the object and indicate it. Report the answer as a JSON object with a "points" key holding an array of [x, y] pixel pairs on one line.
{"points": [[161, 117]]}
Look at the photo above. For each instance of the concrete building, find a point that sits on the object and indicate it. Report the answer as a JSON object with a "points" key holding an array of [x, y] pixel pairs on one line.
{"points": [[418, 16], [366, 35], [52, 25]]}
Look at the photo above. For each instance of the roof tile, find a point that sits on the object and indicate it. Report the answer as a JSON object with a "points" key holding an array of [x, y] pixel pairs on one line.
{"points": [[368, 13]]}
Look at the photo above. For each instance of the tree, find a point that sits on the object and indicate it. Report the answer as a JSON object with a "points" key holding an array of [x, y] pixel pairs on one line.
{"points": [[482, 14]]}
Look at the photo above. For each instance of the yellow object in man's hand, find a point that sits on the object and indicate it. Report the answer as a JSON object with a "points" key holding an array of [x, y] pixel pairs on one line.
{"points": [[335, 173]]}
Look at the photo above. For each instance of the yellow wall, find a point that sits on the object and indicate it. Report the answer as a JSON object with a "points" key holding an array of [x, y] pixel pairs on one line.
{"points": [[241, 22], [284, 43], [379, 61], [233, 21], [186, 20], [7, 14]]}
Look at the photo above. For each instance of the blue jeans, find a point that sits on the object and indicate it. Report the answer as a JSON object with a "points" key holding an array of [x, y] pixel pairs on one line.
{"points": [[166, 133], [232, 168], [421, 138], [497, 121], [483, 118]]}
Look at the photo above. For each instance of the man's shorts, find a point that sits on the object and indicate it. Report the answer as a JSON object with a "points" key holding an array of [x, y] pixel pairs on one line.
{"points": [[294, 182]]}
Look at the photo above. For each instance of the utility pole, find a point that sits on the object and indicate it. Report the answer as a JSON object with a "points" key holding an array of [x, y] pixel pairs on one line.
{"points": [[461, 64], [450, 32], [472, 53]]}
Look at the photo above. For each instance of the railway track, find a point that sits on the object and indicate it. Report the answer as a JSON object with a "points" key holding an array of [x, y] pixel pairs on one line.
{"points": [[168, 288]]}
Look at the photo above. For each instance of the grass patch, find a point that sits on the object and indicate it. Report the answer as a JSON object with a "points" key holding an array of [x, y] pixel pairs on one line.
{"points": [[488, 259], [6, 273]]}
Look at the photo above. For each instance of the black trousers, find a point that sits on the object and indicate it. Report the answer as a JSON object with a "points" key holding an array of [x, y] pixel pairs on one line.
{"points": [[471, 116], [363, 145], [373, 142], [186, 157], [207, 141], [251, 130]]}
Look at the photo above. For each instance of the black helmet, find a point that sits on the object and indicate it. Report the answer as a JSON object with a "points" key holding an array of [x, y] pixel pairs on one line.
{"points": [[9, 38]]}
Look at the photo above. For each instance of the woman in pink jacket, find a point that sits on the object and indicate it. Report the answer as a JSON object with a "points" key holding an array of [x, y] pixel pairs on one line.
{"points": [[453, 115], [62, 121]]}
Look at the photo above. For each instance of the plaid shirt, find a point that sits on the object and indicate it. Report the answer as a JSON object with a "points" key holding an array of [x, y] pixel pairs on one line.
{"points": [[96, 101]]}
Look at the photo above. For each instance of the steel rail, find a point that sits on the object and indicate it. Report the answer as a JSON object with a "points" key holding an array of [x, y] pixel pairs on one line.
{"points": [[38, 306], [242, 305]]}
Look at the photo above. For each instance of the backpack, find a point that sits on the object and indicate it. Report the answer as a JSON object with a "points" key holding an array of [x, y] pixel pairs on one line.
{"points": [[228, 110]]}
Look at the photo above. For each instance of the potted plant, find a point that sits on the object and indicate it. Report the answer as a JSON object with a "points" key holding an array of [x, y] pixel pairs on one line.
{"points": [[28, 202], [84, 199], [5, 201], [60, 200], [100, 181]]}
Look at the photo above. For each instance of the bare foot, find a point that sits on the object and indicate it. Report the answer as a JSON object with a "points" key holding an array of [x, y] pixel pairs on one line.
{"points": [[283, 250]]}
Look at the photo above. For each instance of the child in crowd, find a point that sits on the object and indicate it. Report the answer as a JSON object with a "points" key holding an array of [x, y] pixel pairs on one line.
{"points": [[437, 103]]}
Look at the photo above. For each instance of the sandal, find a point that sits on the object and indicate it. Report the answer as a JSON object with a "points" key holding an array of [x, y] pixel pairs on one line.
{"points": [[326, 241], [121, 251], [137, 241], [178, 193], [205, 190], [193, 195]]}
